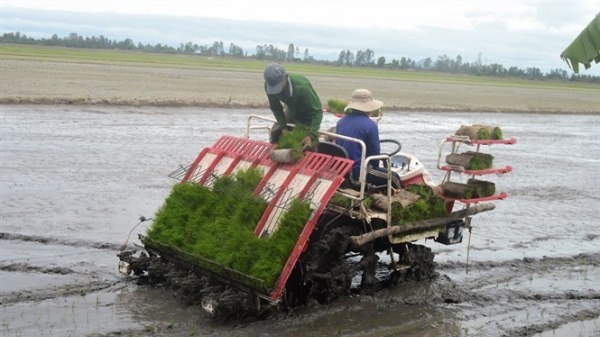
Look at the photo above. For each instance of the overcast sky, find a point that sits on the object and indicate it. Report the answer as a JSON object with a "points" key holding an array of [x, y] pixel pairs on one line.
{"points": [[511, 33]]}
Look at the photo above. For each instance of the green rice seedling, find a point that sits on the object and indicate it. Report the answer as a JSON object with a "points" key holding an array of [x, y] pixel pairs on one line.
{"points": [[376, 113], [341, 201], [427, 207], [176, 211], [483, 134], [424, 191], [219, 225], [498, 133], [480, 188], [480, 161], [249, 179], [345, 202], [469, 192], [293, 140], [489, 132], [337, 105], [273, 252]]}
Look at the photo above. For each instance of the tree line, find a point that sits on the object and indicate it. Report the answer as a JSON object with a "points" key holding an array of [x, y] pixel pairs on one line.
{"points": [[346, 58]]}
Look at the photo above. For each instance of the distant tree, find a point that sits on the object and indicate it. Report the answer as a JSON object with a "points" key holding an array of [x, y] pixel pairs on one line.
{"points": [[290, 53], [479, 64], [557, 74], [359, 60], [403, 63], [427, 63], [343, 57], [533, 73], [364, 58], [188, 48], [217, 48], [349, 58], [236, 51], [260, 53], [127, 44], [368, 57], [442, 64], [455, 65], [269, 52]]}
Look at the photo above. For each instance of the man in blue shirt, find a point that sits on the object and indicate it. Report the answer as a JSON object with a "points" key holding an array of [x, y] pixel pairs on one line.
{"points": [[358, 124]]}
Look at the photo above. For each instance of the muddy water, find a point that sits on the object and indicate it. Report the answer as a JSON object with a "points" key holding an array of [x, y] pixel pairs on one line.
{"points": [[75, 180]]}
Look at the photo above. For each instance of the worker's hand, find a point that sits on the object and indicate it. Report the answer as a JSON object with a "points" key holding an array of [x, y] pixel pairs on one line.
{"points": [[307, 141], [438, 191], [283, 132]]}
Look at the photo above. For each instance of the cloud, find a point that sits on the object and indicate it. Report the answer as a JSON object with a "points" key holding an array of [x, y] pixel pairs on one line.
{"points": [[526, 34]]}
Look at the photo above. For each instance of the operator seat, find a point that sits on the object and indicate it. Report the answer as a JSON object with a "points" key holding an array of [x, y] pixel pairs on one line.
{"points": [[336, 150]]}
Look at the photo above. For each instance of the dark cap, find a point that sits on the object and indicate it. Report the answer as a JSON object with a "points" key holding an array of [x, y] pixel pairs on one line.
{"points": [[275, 78]]}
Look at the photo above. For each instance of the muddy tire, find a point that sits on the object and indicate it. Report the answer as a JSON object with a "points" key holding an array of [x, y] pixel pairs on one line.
{"points": [[331, 269], [420, 259], [326, 274]]}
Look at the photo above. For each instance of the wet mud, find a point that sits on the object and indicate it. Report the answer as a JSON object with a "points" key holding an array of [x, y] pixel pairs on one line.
{"points": [[74, 181]]}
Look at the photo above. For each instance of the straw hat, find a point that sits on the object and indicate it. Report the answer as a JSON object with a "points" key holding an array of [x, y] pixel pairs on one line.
{"points": [[362, 99]]}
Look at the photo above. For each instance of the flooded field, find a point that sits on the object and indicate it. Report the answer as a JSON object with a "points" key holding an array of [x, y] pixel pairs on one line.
{"points": [[75, 179]]}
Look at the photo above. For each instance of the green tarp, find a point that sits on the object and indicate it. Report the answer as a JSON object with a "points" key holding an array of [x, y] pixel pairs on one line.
{"points": [[585, 48]]}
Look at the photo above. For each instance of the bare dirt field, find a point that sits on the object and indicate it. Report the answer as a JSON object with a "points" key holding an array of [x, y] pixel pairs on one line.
{"points": [[37, 82]]}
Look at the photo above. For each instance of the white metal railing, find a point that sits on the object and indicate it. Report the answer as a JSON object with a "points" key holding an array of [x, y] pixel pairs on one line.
{"points": [[363, 166]]}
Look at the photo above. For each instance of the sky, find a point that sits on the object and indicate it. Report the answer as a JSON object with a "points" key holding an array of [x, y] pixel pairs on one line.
{"points": [[511, 33]]}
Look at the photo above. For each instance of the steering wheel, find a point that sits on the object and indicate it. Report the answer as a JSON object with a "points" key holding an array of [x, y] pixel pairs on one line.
{"points": [[396, 150], [393, 141]]}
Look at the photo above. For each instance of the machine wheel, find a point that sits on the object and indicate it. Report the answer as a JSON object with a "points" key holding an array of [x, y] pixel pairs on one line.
{"points": [[331, 269], [326, 273], [418, 259]]}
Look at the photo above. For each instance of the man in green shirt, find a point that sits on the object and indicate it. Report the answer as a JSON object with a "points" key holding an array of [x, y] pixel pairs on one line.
{"points": [[303, 105]]}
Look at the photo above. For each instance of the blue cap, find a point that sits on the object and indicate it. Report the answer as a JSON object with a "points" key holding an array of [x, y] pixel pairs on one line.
{"points": [[275, 78]]}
